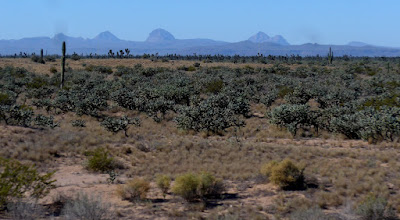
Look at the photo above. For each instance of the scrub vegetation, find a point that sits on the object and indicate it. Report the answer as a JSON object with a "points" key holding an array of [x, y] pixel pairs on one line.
{"points": [[203, 137]]}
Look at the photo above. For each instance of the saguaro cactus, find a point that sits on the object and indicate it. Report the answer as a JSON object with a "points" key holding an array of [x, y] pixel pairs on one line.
{"points": [[330, 56], [63, 64], [41, 60]]}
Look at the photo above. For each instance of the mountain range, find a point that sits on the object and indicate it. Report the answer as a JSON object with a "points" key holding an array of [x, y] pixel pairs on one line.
{"points": [[162, 42]]}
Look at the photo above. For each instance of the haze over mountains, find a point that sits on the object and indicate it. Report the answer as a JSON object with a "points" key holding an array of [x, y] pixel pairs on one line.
{"points": [[162, 42]]}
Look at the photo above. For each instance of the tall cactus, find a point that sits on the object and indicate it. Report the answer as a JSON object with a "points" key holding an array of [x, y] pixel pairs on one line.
{"points": [[63, 64], [41, 60], [330, 56]]}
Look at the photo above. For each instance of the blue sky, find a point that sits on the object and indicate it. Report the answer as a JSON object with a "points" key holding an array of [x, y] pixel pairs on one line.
{"points": [[299, 21]]}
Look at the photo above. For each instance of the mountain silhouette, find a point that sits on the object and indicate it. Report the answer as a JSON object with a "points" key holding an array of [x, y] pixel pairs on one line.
{"points": [[162, 42]]}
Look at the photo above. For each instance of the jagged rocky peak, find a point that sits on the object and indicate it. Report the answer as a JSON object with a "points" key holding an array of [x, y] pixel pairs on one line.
{"points": [[160, 35]]}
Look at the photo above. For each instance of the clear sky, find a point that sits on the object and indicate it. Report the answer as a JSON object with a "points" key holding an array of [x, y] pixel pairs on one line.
{"points": [[299, 21]]}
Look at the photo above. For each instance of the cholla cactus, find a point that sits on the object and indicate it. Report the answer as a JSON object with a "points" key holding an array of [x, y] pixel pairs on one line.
{"points": [[115, 124]]}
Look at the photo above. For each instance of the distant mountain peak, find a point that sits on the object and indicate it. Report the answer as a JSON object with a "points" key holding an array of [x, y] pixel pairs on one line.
{"points": [[106, 35], [357, 44], [60, 37], [262, 37], [160, 35]]}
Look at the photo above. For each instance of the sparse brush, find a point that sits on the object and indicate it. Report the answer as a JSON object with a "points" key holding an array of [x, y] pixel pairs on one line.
{"points": [[163, 183], [88, 207]]}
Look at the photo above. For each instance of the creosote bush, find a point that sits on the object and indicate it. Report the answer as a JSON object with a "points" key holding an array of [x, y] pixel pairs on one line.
{"points": [[163, 183], [201, 186], [100, 160], [284, 174], [134, 190]]}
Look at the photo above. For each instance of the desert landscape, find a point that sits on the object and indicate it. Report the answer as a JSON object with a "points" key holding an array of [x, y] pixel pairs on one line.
{"points": [[216, 137]]}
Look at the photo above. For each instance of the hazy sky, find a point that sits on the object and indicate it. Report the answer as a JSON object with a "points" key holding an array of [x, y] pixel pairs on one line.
{"points": [[299, 21]]}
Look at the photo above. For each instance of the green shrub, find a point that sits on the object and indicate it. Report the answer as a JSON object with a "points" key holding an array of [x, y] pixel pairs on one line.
{"points": [[191, 68], [214, 86], [266, 169], [134, 190], [163, 183], [186, 186], [285, 174], [201, 186], [209, 186], [6, 99], [99, 160], [18, 180]]}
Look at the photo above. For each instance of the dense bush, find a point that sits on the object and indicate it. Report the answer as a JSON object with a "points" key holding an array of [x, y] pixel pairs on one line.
{"points": [[99, 160], [186, 186], [201, 186], [284, 174]]}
